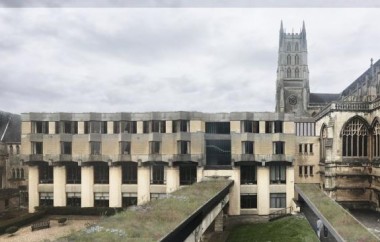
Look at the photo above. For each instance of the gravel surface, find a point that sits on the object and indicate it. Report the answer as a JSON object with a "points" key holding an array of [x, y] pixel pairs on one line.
{"points": [[55, 231]]}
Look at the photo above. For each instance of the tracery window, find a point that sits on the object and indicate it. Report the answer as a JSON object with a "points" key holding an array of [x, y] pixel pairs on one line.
{"points": [[289, 48], [288, 73], [297, 73], [288, 60], [355, 139], [297, 60], [376, 139]]}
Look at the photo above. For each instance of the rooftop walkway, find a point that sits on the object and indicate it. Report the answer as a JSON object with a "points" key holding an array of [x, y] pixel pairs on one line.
{"points": [[160, 220], [338, 221]]}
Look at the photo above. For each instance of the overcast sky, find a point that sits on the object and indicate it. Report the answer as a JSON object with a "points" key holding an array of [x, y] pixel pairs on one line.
{"points": [[138, 60]]}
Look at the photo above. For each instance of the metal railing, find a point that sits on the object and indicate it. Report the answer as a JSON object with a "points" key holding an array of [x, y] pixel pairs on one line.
{"points": [[280, 213]]}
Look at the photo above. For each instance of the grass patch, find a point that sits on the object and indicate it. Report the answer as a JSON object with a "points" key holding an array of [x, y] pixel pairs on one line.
{"points": [[289, 229], [343, 222], [152, 221]]}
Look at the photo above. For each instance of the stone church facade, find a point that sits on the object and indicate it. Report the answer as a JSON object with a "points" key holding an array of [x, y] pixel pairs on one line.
{"points": [[121, 159]]}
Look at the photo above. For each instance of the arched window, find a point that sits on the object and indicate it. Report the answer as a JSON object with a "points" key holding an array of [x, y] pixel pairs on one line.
{"points": [[10, 149], [297, 72], [13, 174], [288, 60], [323, 138], [297, 60], [17, 149], [296, 48], [288, 73], [18, 175], [376, 139], [22, 173], [355, 139], [289, 48]]}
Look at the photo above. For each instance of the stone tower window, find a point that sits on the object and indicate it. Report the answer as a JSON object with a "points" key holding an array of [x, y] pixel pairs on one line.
{"points": [[355, 139], [376, 139], [289, 48], [288, 73], [297, 60], [288, 60], [296, 47], [297, 72]]}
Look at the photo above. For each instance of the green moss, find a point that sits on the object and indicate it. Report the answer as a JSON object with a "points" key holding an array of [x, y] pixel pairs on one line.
{"points": [[153, 220], [343, 222], [289, 229]]}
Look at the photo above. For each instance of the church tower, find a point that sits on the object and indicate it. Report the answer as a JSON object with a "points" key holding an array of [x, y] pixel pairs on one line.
{"points": [[292, 87]]}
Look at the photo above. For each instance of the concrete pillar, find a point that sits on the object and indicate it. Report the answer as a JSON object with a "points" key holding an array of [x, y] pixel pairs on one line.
{"points": [[115, 187], [290, 187], [199, 173], [169, 127], [219, 222], [87, 186], [263, 199], [262, 127], [52, 128], [139, 127], [80, 127], [234, 208], [143, 185], [59, 185], [33, 178], [110, 127], [172, 179]]}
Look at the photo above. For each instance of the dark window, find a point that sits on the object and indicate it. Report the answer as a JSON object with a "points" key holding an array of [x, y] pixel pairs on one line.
{"points": [[300, 170], [66, 127], [187, 174], [154, 126], [277, 174], [95, 148], [95, 127], [14, 175], [278, 126], [11, 150], [355, 138], [101, 199], [37, 148], [157, 175], [248, 201], [297, 60], [277, 200], [46, 199], [129, 173], [248, 175], [73, 199], [311, 170], [297, 73], [66, 148], [288, 73], [218, 152], [248, 126], [129, 199], [101, 173], [45, 173], [278, 147], [17, 149], [269, 128], [183, 147], [73, 173], [116, 127], [181, 126], [218, 127], [129, 127], [22, 173], [247, 147], [125, 148], [40, 127], [154, 147]]}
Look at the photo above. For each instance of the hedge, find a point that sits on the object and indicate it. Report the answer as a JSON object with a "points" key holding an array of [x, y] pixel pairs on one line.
{"points": [[20, 220]]}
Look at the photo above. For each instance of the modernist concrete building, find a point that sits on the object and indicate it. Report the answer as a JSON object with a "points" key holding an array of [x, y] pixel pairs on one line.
{"points": [[119, 159]]}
